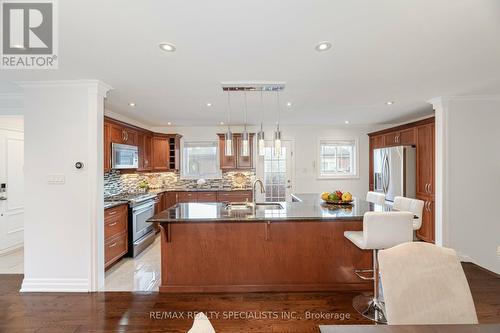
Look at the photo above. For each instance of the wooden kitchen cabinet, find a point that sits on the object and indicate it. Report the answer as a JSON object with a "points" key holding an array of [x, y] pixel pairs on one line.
{"points": [[160, 147], [235, 162], [115, 234], [234, 196], [157, 152], [421, 135], [425, 160], [184, 197], [169, 199], [427, 231], [122, 134], [166, 152], [207, 196], [399, 138], [144, 144]]}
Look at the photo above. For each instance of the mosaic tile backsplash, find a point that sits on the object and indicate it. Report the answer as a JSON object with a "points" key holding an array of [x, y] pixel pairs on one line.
{"points": [[116, 182]]}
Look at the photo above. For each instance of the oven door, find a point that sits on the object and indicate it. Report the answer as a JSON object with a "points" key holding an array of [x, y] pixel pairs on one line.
{"points": [[124, 156], [140, 214]]}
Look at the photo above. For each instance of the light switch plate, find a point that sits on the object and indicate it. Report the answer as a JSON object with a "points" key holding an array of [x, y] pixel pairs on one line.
{"points": [[56, 179]]}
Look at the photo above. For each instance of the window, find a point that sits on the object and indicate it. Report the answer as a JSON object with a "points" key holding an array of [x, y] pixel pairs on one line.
{"points": [[200, 160], [337, 158]]}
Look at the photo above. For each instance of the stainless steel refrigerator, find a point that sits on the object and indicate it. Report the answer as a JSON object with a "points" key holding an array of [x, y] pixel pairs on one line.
{"points": [[395, 171]]}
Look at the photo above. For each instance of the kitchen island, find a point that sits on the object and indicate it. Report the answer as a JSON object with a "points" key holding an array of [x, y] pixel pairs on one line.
{"points": [[297, 246]]}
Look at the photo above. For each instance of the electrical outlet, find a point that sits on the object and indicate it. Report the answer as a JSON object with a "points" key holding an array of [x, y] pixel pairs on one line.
{"points": [[56, 179]]}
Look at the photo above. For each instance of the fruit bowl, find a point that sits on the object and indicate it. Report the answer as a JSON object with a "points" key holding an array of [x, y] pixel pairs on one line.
{"points": [[337, 198], [338, 202]]}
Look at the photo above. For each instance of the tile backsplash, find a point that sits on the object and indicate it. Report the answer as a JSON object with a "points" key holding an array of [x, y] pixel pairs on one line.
{"points": [[116, 182]]}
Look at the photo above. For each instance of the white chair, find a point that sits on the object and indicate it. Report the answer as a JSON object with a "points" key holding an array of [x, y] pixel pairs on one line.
{"points": [[375, 197], [380, 231], [201, 324], [414, 206], [425, 284]]}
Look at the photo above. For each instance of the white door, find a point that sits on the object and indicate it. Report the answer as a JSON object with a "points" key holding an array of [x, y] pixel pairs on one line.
{"points": [[276, 172], [11, 190]]}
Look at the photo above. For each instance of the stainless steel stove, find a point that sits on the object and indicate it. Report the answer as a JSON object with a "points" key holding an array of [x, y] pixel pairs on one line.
{"points": [[140, 233]]}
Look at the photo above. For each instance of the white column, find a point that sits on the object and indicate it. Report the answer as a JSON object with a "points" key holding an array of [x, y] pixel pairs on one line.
{"points": [[467, 177], [63, 204]]}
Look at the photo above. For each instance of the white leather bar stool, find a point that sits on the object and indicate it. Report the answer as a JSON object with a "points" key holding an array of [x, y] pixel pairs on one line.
{"points": [[380, 231], [414, 206], [375, 197]]}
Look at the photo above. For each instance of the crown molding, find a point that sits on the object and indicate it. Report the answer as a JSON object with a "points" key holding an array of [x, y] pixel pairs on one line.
{"points": [[95, 86], [447, 99]]}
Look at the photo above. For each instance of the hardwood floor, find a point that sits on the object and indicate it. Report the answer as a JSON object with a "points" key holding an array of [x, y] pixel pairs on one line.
{"points": [[134, 312]]}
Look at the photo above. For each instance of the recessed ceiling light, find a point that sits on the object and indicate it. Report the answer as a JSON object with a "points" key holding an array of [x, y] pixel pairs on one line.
{"points": [[168, 47], [209, 104], [289, 104], [132, 104], [221, 123], [323, 46], [347, 122], [169, 123], [389, 103]]}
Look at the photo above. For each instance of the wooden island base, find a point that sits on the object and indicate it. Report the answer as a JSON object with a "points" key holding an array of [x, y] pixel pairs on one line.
{"points": [[261, 257]]}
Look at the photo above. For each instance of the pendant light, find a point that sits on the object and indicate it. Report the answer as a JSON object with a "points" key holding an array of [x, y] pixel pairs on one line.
{"points": [[228, 136], [260, 135], [277, 133], [245, 138]]}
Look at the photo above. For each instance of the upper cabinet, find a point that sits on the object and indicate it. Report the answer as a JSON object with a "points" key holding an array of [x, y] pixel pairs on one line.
{"points": [[122, 134], [236, 161], [398, 138], [166, 152], [157, 152], [425, 156]]}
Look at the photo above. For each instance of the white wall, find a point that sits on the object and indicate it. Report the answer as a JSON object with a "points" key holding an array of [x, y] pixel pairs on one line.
{"points": [[468, 127], [63, 222], [306, 146]]}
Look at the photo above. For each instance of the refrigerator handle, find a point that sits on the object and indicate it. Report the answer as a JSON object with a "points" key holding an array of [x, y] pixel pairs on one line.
{"points": [[387, 173], [382, 174]]}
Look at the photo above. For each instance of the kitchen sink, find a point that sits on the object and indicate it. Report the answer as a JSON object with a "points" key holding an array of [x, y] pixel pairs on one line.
{"points": [[268, 205]]}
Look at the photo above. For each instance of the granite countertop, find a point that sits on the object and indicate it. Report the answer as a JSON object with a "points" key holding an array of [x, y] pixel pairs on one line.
{"points": [[111, 204], [311, 208]]}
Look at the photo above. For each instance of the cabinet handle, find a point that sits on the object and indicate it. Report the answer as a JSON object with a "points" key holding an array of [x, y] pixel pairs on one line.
{"points": [[430, 188], [112, 245], [113, 212], [268, 231], [112, 224]]}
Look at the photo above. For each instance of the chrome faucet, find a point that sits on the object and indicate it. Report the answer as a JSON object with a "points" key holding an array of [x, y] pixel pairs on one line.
{"points": [[262, 190]]}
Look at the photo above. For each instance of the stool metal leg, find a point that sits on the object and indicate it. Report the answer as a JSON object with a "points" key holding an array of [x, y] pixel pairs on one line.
{"points": [[371, 307]]}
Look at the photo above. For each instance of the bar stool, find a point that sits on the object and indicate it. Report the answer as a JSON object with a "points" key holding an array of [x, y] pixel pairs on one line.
{"points": [[375, 197], [380, 231], [414, 206]]}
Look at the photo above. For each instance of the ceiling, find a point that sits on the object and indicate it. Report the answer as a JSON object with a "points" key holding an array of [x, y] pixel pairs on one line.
{"points": [[402, 51]]}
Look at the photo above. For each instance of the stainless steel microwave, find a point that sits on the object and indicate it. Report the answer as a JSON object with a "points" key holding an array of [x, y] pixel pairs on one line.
{"points": [[124, 156]]}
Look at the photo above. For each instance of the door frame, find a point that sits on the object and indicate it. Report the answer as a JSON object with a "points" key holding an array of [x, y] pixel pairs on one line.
{"points": [[259, 171]]}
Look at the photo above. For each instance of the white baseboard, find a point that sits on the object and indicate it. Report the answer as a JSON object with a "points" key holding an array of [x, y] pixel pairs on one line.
{"points": [[465, 258], [55, 285]]}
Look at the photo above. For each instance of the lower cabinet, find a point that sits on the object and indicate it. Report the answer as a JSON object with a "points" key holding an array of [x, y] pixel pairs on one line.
{"points": [[426, 231], [115, 234], [234, 196]]}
